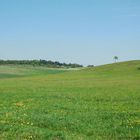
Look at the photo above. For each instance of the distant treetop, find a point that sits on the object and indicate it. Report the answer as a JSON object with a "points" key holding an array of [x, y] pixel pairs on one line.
{"points": [[115, 58], [48, 63]]}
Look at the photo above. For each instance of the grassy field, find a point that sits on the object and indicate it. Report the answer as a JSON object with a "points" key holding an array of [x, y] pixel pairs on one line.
{"points": [[51, 104]]}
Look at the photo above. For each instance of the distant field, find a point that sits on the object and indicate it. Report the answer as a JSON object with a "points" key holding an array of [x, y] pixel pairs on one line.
{"points": [[103, 102]]}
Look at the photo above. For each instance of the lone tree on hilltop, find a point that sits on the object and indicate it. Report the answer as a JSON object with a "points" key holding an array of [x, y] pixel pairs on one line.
{"points": [[116, 58]]}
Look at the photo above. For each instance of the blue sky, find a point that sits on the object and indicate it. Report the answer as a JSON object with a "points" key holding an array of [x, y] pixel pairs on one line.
{"points": [[81, 31]]}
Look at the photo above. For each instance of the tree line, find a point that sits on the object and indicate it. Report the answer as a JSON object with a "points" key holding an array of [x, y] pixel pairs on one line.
{"points": [[48, 63]]}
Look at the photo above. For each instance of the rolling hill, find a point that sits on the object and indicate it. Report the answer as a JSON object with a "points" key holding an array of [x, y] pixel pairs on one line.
{"points": [[102, 102]]}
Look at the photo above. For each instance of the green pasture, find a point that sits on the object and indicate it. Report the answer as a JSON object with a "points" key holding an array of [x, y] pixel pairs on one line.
{"points": [[99, 103]]}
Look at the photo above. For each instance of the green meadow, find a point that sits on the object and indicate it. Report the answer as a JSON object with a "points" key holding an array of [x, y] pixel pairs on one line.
{"points": [[103, 102]]}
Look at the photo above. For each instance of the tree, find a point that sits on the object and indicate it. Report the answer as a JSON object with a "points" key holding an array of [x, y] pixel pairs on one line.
{"points": [[90, 66], [116, 58]]}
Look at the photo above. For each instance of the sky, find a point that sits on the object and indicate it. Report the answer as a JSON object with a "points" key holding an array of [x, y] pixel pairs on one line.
{"points": [[77, 31]]}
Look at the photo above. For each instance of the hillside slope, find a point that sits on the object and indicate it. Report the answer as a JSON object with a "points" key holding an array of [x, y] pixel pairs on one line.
{"points": [[93, 103]]}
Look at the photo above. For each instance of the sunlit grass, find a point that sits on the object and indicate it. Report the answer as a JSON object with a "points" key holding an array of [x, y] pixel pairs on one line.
{"points": [[94, 103]]}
